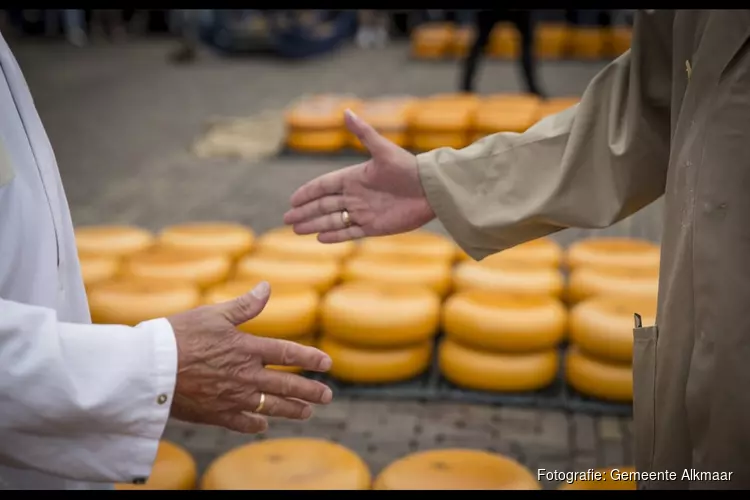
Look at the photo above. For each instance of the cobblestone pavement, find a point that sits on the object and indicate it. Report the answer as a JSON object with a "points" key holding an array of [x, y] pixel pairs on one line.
{"points": [[121, 119]]}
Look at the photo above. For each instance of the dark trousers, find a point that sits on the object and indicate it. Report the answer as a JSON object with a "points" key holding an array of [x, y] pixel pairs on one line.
{"points": [[485, 22]]}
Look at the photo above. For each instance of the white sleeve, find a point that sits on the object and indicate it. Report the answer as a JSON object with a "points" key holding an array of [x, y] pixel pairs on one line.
{"points": [[84, 402]]}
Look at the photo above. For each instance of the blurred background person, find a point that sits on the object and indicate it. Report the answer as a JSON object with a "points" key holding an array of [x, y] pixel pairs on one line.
{"points": [[372, 30]]}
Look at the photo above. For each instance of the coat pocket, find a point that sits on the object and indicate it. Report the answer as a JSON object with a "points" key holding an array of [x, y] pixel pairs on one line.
{"points": [[644, 394]]}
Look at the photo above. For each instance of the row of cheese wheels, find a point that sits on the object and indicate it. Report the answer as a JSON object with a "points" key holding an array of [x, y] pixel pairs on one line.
{"points": [[316, 464], [316, 124], [440, 40]]}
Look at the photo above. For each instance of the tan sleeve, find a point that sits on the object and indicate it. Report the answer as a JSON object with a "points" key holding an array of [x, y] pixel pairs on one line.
{"points": [[587, 167]]}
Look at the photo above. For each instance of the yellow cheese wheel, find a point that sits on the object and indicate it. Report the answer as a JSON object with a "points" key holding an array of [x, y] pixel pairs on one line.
{"points": [[317, 141], [432, 40], [620, 39], [603, 326], [463, 40], [539, 252], [587, 43], [587, 282], [422, 244], [504, 41], [291, 312], [319, 274], [309, 341], [283, 241], [112, 241], [610, 478], [98, 269], [164, 264], [455, 469], [500, 274], [427, 141], [323, 112], [376, 366], [552, 41], [288, 464], [599, 379], [375, 315], [489, 371], [400, 271], [491, 119], [614, 252], [174, 469], [390, 116], [214, 238], [497, 321], [130, 302]]}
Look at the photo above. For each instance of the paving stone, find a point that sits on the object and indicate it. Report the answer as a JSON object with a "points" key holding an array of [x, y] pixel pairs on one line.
{"points": [[610, 429], [584, 431]]}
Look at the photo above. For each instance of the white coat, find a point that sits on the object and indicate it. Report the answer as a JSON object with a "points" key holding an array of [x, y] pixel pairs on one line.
{"points": [[81, 405]]}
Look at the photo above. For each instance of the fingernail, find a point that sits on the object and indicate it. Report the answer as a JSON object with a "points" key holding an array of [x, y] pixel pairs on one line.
{"points": [[352, 114], [327, 396], [261, 290], [325, 364]]}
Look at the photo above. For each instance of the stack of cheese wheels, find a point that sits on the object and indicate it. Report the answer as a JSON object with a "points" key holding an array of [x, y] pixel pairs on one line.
{"points": [[551, 40], [557, 105], [456, 469], [317, 274], [377, 334], [501, 342], [619, 40], [132, 301], [432, 40], [284, 242], [102, 248], [505, 113], [161, 264], [288, 464], [390, 116], [219, 238], [443, 121], [290, 314], [587, 43], [463, 39], [599, 361], [504, 41], [613, 266], [611, 478], [317, 124], [529, 268], [174, 469]]}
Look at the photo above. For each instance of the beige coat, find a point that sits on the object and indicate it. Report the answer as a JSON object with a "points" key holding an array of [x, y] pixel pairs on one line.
{"points": [[672, 118]]}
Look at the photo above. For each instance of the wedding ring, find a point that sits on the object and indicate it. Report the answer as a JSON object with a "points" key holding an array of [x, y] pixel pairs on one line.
{"points": [[262, 402], [346, 218]]}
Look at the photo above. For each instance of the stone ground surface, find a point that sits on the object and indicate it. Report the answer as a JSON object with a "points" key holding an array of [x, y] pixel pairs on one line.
{"points": [[121, 120]]}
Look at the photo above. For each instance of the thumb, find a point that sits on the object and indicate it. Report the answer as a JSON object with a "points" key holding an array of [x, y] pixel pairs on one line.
{"points": [[368, 136], [246, 307]]}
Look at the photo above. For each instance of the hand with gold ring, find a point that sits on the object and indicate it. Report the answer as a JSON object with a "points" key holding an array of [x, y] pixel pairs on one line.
{"points": [[381, 196], [222, 377]]}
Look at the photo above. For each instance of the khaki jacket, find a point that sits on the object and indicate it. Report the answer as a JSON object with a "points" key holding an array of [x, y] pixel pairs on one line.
{"points": [[671, 117]]}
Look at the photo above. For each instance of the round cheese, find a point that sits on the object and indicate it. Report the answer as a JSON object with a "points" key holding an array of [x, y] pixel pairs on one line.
{"points": [[98, 269], [610, 478], [434, 274], [288, 464], [164, 264], [317, 141], [291, 311], [420, 244], [587, 282], [496, 372], [625, 253], [603, 326], [129, 302], [599, 379], [318, 274], [500, 274], [232, 240], [503, 322], [455, 469], [112, 241], [285, 242], [544, 252], [174, 469], [375, 315], [376, 366]]}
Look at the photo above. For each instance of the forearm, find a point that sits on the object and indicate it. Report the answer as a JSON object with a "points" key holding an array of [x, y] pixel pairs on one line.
{"points": [[587, 167], [85, 402]]}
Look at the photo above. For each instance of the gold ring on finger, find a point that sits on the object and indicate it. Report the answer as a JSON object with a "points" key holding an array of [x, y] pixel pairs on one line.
{"points": [[261, 403], [346, 218]]}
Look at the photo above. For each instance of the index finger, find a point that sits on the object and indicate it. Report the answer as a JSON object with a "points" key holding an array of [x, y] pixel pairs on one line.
{"points": [[288, 353], [328, 184]]}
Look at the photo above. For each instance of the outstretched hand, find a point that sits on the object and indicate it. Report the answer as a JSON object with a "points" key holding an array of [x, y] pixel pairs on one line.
{"points": [[381, 196]]}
